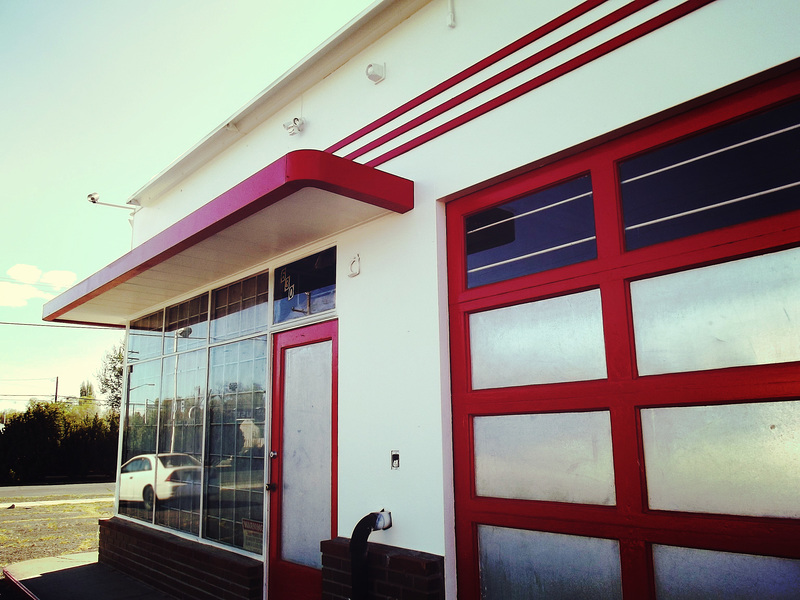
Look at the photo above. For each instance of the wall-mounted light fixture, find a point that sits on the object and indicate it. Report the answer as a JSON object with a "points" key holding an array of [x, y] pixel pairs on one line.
{"points": [[295, 126], [133, 205], [376, 72]]}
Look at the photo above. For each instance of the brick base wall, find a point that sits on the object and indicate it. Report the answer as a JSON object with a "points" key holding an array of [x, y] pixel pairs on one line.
{"points": [[393, 573], [181, 568]]}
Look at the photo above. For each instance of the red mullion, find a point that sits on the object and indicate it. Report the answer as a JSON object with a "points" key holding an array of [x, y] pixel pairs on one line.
{"points": [[635, 556], [556, 517], [552, 397], [733, 385], [636, 563], [468, 572], [763, 235], [531, 288], [723, 532]]}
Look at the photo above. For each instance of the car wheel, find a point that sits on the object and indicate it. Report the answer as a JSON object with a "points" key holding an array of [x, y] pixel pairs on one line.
{"points": [[148, 496]]}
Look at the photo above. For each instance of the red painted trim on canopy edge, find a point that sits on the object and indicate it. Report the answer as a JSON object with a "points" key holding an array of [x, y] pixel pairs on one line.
{"points": [[567, 67], [285, 176]]}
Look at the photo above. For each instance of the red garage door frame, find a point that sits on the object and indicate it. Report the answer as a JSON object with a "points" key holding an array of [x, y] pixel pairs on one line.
{"points": [[624, 393]]}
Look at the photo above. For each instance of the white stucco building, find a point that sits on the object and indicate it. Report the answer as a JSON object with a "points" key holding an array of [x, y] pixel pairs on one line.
{"points": [[524, 274]]}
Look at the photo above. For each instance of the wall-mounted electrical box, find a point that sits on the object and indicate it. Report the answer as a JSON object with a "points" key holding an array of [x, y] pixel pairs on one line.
{"points": [[395, 459]]}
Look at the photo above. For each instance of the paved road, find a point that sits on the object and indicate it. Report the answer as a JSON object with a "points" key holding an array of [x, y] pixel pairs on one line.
{"points": [[32, 492]]}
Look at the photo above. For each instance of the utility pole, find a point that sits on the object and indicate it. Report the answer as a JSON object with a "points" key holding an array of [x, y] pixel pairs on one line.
{"points": [[55, 396]]}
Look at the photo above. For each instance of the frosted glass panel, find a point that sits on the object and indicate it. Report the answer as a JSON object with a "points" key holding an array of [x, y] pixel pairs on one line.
{"points": [[555, 457], [740, 459], [548, 341], [745, 312], [690, 574], [306, 500], [527, 565]]}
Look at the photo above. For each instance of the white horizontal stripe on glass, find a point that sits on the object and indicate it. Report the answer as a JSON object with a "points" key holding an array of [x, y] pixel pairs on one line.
{"points": [[710, 206], [707, 154], [545, 251], [530, 212]]}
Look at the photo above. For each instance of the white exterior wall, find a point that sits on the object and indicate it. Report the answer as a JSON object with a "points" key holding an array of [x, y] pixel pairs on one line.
{"points": [[393, 373]]}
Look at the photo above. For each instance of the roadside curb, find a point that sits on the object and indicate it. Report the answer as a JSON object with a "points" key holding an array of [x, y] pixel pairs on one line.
{"points": [[32, 504]]}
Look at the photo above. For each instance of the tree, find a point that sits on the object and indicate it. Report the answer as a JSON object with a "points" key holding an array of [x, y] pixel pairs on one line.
{"points": [[85, 403], [87, 391], [49, 440], [110, 377]]}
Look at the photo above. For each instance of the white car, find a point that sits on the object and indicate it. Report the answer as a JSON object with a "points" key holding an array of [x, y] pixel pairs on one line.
{"points": [[148, 477]]}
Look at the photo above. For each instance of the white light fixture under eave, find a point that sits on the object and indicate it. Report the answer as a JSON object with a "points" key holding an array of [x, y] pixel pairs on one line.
{"points": [[294, 126], [133, 205], [376, 72]]}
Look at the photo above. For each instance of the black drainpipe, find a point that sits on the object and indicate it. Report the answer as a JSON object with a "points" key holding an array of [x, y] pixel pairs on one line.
{"points": [[359, 582]]}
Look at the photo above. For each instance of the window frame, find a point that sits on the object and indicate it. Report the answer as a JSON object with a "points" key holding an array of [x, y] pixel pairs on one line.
{"points": [[624, 393]]}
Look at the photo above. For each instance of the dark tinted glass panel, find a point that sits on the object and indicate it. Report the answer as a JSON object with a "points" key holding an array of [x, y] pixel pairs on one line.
{"points": [[187, 325], [545, 230], [144, 338], [730, 175], [306, 287]]}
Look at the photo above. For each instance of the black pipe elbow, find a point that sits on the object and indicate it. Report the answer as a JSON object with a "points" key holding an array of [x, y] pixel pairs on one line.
{"points": [[358, 552]]}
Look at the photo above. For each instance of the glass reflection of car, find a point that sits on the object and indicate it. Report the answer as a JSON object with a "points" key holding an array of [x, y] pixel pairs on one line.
{"points": [[175, 476]]}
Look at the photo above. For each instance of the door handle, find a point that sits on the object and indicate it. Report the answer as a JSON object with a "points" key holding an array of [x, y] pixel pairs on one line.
{"points": [[271, 487]]}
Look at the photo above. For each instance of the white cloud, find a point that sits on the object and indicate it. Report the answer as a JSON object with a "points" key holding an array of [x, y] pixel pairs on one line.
{"points": [[59, 280], [28, 280], [25, 273], [18, 294]]}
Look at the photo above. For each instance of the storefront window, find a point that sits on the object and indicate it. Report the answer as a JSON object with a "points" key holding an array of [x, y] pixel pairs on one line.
{"points": [[139, 440], [193, 455], [239, 309], [193, 436], [144, 338], [234, 466]]}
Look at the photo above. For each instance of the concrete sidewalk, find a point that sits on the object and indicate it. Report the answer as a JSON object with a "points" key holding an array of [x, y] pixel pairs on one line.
{"points": [[76, 577]]}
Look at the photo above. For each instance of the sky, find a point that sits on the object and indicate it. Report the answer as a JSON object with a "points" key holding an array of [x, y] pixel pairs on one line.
{"points": [[99, 96]]}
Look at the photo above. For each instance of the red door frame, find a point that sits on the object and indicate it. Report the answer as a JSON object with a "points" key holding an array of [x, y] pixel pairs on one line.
{"points": [[623, 393], [287, 580]]}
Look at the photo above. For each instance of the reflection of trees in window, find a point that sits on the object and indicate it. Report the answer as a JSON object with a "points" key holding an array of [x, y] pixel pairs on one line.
{"points": [[140, 421], [205, 403], [181, 432]]}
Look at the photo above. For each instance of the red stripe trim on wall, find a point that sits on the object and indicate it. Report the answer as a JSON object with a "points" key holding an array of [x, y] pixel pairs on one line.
{"points": [[569, 66], [535, 59], [508, 50]]}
